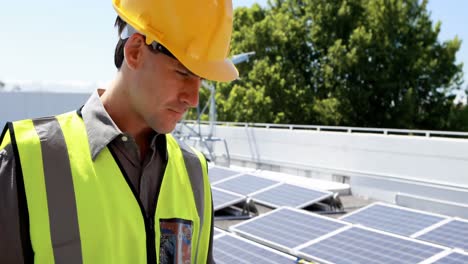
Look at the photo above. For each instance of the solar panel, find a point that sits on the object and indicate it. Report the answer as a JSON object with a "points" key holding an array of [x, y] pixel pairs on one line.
{"points": [[289, 195], [233, 249], [286, 228], [218, 173], [453, 233], [363, 245], [223, 199], [393, 219], [245, 184], [453, 257]]}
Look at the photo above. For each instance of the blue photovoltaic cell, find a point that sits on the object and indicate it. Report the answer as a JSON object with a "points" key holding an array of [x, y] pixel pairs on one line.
{"points": [[358, 245], [228, 249], [392, 219], [222, 199], [452, 234], [290, 195], [453, 258], [287, 228], [245, 184], [216, 173]]}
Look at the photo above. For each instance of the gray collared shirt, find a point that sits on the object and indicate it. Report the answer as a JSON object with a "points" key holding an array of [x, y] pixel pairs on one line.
{"points": [[144, 174]]}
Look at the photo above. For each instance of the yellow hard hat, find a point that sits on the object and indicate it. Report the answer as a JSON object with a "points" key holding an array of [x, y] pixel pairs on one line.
{"points": [[197, 32]]}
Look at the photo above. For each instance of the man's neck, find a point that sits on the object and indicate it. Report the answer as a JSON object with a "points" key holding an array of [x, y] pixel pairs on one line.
{"points": [[115, 101]]}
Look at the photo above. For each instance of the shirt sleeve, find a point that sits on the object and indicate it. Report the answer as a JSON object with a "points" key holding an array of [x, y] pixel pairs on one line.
{"points": [[11, 248]]}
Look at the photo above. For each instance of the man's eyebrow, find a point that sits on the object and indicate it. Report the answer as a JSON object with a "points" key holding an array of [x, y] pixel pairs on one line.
{"points": [[180, 65]]}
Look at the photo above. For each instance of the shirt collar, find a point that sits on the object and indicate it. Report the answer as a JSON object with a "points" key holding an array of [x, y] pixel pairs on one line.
{"points": [[102, 130], [99, 125]]}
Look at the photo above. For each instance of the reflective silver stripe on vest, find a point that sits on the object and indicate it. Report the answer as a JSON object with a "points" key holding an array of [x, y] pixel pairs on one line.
{"points": [[63, 215], [195, 172]]}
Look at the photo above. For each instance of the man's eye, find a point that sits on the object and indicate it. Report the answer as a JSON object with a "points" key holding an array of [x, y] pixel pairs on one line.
{"points": [[183, 73]]}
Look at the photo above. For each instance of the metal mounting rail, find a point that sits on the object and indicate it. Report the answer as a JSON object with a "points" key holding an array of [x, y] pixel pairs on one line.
{"points": [[383, 131]]}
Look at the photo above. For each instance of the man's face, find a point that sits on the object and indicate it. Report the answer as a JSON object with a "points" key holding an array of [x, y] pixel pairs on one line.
{"points": [[162, 90]]}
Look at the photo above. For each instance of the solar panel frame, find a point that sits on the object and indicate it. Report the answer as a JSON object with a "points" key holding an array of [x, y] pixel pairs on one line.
{"points": [[236, 198], [255, 196], [216, 179], [427, 234], [299, 251], [270, 243], [217, 232], [454, 256], [247, 182], [430, 228], [407, 215], [251, 245]]}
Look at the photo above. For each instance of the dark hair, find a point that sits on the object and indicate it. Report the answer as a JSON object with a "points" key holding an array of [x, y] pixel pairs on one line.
{"points": [[119, 48]]}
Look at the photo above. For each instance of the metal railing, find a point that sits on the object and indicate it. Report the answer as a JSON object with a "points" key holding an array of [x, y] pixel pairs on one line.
{"points": [[382, 131]]}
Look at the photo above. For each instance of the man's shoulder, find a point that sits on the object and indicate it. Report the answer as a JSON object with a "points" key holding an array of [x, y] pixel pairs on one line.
{"points": [[25, 126], [186, 149], [45, 119]]}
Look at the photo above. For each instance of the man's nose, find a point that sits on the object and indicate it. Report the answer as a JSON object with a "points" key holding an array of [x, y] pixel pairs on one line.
{"points": [[191, 92]]}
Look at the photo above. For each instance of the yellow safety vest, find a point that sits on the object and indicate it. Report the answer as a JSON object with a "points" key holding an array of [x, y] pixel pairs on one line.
{"points": [[84, 211]]}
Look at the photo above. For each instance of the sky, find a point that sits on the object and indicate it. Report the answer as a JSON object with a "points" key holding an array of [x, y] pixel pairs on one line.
{"points": [[50, 44]]}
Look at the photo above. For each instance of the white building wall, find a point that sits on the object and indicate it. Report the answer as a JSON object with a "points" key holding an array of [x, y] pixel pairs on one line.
{"points": [[22, 105], [442, 161]]}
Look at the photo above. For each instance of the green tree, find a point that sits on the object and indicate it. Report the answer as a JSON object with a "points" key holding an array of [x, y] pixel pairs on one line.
{"points": [[458, 118], [273, 86], [393, 71], [371, 63]]}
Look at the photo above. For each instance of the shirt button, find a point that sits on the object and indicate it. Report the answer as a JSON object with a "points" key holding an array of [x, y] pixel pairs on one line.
{"points": [[124, 138]]}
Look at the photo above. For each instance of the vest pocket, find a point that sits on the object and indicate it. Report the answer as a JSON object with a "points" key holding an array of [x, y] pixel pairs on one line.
{"points": [[175, 241]]}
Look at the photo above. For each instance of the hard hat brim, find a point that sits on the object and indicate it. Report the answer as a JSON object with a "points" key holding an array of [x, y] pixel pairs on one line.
{"points": [[221, 71]]}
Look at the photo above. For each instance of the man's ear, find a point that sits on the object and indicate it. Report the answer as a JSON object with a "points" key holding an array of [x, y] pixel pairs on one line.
{"points": [[133, 51]]}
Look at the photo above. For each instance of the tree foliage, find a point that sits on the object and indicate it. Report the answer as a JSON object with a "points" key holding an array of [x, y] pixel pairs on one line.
{"points": [[370, 63]]}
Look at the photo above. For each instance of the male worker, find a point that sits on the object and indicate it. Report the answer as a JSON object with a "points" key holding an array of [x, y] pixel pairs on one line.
{"points": [[107, 183]]}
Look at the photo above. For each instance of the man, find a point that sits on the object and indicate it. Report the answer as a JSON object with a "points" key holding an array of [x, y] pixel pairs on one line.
{"points": [[107, 183]]}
